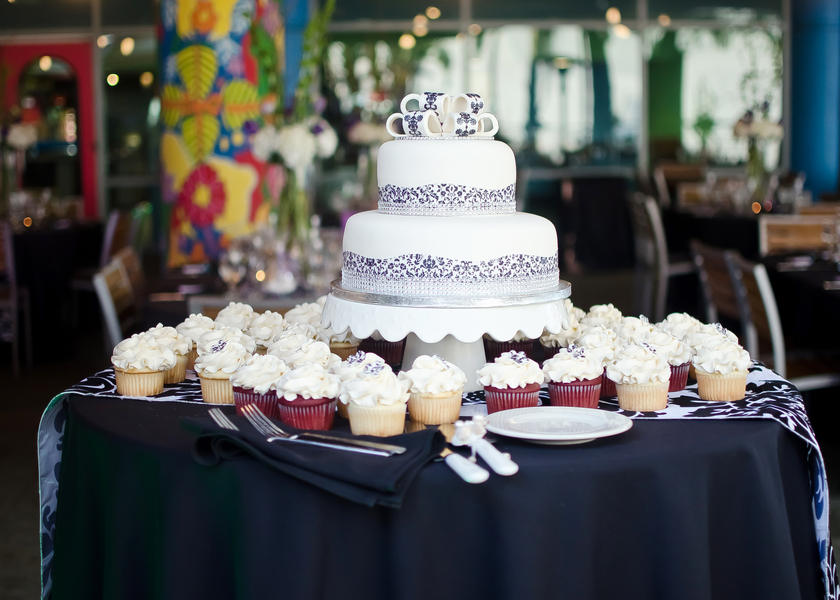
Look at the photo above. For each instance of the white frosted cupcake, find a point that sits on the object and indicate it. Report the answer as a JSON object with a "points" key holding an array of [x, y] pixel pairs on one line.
{"points": [[306, 397], [573, 377], [552, 342], [291, 339], [236, 314], [721, 367], [605, 315], [194, 327], [265, 328], [704, 334], [511, 381], [255, 382], [633, 330], [181, 345], [520, 342], [680, 325], [600, 342], [140, 363], [435, 387], [308, 313], [215, 365], [351, 368], [230, 334], [310, 351], [676, 352], [376, 401], [573, 311], [342, 344], [641, 378]]}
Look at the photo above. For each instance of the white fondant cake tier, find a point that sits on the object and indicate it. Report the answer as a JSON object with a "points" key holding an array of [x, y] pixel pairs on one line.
{"points": [[446, 177], [493, 255]]}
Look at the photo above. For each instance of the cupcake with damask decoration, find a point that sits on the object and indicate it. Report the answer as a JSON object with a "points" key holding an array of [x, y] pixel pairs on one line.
{"points": [[194, 327], [306, 397], [512, 380], [574, 378], [601, 343], [554, 342], [376, 401], [676, 352], [215, 365], [641, 377], [140, 363], [255, 382], [435, 387], [230, 334], [520, 343], [352, 368]]}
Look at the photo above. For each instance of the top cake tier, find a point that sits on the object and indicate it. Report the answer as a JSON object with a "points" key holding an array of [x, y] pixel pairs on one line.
{"points": [[446, 177]]}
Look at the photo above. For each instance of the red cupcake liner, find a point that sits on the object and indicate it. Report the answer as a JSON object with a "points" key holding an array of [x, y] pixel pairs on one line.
{"points": [[307, 413], [679, 377], [267, 403], [508, 398], [494, 349], [550, 351], [390, 352], [607, 386], [584, 393]]}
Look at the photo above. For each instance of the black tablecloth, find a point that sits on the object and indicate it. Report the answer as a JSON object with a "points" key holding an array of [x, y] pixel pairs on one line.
{"points": [[729, 231], [670, 509]]}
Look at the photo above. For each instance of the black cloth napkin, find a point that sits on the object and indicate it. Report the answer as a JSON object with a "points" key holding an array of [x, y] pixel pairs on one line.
{"points": [[366, 479]]}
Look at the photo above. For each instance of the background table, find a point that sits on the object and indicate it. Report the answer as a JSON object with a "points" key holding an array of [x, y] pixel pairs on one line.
{"points": [[670, 509]]}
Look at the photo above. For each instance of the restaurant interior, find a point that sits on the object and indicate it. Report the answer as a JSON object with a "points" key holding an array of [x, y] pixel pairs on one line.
{"points": [[164, 158]]}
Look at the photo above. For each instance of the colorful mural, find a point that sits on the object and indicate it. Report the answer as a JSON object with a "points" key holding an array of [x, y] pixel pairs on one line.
{"points": [[211, 104]]}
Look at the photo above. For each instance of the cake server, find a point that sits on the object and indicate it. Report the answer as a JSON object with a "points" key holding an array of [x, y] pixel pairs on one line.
{"points": [[465, 468]]}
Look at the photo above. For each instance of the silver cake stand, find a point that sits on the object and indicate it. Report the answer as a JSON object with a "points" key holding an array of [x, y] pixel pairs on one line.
{"points": [[449, 327]]}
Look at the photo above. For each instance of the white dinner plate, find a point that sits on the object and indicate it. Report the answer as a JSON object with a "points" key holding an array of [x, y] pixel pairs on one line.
{"points": [[557, 425]]}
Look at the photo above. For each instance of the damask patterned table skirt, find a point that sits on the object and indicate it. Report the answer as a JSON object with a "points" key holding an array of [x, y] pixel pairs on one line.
{"points": [[768, 397]]}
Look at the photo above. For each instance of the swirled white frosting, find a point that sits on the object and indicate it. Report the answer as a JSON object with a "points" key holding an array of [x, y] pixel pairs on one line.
{"points": [[291, 339], [308, 313], [574, 311], [195, 326], [266, 327], [510, 370], [719, 355], [375, 385], [572, 364], [143, 351], [236, 314], [709, 332], [223, 332], [565, 338], [180, 344], [596, 321], [680, 324], [355, 364], [309, 351], [638, 364], [321, 300], [433, 375], [259, 373], [634, 329], [675, 351], [599, 342], [308, 380], [222, 356], [605, 311]]}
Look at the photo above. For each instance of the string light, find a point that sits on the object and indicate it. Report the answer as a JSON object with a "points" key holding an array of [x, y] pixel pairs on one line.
{"points": [[664, 20], [45, 63], [474, 29], [756, 207], [146, 79], [103, 40], [613, 15], [127, 46], [113, 79], [407, 41], [433, 12]]}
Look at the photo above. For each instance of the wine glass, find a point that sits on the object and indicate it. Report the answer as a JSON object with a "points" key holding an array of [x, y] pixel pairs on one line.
{"points": [[232, 269]]}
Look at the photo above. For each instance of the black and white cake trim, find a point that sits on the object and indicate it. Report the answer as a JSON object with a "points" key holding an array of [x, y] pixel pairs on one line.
{"points": [[446, 200], [427, 275]]}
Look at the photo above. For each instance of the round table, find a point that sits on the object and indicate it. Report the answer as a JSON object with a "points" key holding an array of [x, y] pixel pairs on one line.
{"points": [[710, 509]]}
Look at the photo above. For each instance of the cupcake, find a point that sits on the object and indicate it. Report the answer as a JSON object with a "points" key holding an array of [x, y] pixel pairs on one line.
{"points": [[264, 329], [215, 365], [342, 345], [194, 327], [308, 313], [351, 368], [511, 381], [553, 342], [435, 388], [703, 334], [306, 397], [641, 377], [291, 338], [181, 345], [600, 342], [520, 343], [721, 367], [140, 363], [633, 330], [391, 352], [573, 311], [236, 314], [574, 378], [605, 315], [376, 401], [676, 352], [255, 382], [310, 351], [679, 325], [230, 334]]}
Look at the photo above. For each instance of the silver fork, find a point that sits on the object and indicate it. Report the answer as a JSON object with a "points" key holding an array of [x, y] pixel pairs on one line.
{"points": [[273, 434], [221, 419]]}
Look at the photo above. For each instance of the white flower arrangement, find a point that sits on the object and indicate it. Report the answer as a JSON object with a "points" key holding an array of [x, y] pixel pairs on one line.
{"points": [[297, 145], [21, 136], [750, 127]]}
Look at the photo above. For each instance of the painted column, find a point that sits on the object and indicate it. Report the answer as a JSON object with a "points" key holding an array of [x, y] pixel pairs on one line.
{"points": [[815, 103]]}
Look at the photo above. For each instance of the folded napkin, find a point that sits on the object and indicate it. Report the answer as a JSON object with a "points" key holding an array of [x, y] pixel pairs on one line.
{"points": [[362, 478]]}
